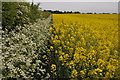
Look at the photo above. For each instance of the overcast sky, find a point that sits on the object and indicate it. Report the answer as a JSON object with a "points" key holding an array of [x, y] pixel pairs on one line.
{"points": [[81, 5], [74, 0]]}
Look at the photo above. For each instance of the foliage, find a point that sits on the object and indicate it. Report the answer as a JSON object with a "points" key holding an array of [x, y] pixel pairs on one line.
{"points": [[85, 45], [19, 14], [24, 52]]}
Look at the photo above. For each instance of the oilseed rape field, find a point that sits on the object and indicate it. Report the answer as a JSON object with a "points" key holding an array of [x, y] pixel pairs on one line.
{"points": [[38, 44], [84, 46]]}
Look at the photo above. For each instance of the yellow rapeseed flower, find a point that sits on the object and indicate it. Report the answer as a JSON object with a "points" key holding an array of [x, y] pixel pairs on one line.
{"points": [[51, 28], [74, 73], [53, 67], [51, 47]]}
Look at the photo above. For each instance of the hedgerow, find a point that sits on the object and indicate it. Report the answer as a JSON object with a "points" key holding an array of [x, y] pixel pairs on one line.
{"points": [[20, 13], [24, 52], [25, 36]]}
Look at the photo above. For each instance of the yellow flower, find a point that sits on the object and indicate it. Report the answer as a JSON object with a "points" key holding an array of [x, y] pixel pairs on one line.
{"points": [[71, 62], [62, 53], [51, 28], [68, 35], [99, 70], [60, 58], [82, 73], [71, 50], [56, 42], [51, 47], [48, 50], [76, 57], [56, 51], [60, 47], [68, 42], [74, 73], [66, 55], [56, 37], [72, 39], [53, 67], [86, 43]]}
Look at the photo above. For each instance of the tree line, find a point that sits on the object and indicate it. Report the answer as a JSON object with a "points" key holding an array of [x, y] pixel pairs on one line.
{"points": [[75, 12]]}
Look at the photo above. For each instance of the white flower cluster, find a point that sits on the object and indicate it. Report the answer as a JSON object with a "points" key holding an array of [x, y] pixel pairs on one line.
{"points": [[23, 50]]}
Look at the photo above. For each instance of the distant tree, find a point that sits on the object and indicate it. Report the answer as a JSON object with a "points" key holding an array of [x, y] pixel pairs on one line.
{"points": [[76, 12], [89, 13]]}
